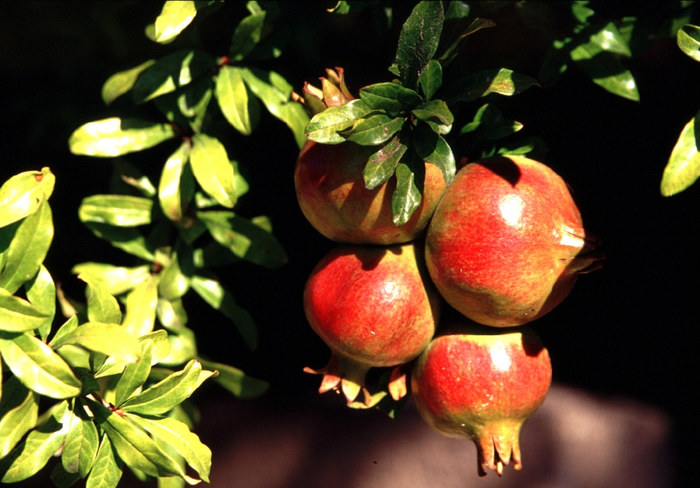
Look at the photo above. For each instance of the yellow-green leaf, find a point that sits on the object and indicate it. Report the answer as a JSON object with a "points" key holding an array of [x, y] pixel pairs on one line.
{"points": [[683, 167], [213, 170], [22, 194], [115, 136], [173, 19]]}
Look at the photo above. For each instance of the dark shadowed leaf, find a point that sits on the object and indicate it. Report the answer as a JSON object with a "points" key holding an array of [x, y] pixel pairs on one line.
{"points": [[432, 148], [374, 130], [502, 81], [391, 98], [407, 196], [431, 79], [605, 70], [382, 164], [171, 72], [418, 41], [236, 381]]}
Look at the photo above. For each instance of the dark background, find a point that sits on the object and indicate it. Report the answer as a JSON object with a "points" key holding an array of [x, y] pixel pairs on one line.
{"points": [[628, 330]]}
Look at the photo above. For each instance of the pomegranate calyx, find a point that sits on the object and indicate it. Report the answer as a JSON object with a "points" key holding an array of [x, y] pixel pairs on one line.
{"points": [[497, 446], [333, 92], [344, 376]]}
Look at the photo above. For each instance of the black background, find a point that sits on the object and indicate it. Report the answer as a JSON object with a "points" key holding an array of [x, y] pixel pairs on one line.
{"points": [[628, 330]]}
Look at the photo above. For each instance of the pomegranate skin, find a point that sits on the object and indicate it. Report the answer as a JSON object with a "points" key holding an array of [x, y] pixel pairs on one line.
{"points": [[332, 196], [371, 306], [482, 384], [506, 243]]}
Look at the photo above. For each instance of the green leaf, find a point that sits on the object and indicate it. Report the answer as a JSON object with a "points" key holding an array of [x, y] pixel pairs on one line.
{"points": [[213, 170], [211, 291], [19, 315], [374, 130], [115, 280], [135, 375], [382, 164], [605, 70], [431, 79], [418, 41], [80, 447], [128, 239], [236, 381], [101, 305], [173, 19], [490, 124], [437, 114], [688, 39], [325, 127], [609, 39], [249, 32], [133, 444], [683, 167], [141, 302], [476, 25], [432, 148], [172, 72], [23, 194], [117, 210], [176, 186], [502, 82], [115, 136], [120, 83], [109, 339], [275, 93], [167, 393], [406, 197], [27, 458], [391, 98], [173, 283], [28, 249], [240, 109], [178, 436], [18, 414], [41, 292], [106, 471], [247, 239]]}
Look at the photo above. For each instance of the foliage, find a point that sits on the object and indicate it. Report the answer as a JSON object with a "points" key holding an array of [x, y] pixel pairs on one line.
{"points": [[104, 382]]}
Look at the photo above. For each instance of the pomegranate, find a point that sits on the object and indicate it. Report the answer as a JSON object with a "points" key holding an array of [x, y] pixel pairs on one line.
{"points": [[482, 383], [330, 185], [333, 197], [370, 305], [507, 242]]}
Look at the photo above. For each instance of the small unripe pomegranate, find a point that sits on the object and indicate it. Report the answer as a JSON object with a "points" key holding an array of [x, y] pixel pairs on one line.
{"points": [[482, 383], [507, 242], [370, 305]]}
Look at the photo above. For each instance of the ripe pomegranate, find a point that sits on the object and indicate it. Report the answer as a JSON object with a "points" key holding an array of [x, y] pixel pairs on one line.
{"points": [[332, 195], [507, 242], [370, 305], [330, 186], [482, 383]]}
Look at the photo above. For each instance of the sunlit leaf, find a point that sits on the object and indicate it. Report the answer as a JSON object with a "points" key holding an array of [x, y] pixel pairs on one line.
{"points": [[109, 339], [173, 19], [173, 283], [140, 315], [19, 315], [249, 32], [437, 114], [117, 210], [32, 454], [374, 130], [609, 39], [41, 293], [326, 126], [213, 170], [239, 108], [688, 38], [490, 124], [211, 291], [171, 72], [115, 136], [114, 279], [177, 435], [101, 305], [134, 376], [23, 194], [80, 447], [236, 381], [167, 393], [683, 167], [418, 41], [28, 249], [406, 197], [176, 185], [120, 83], [106, 471], [605, 70], [18, 414]]}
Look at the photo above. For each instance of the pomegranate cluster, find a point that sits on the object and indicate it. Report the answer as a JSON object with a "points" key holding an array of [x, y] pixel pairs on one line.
{"points": [[502, 245]]}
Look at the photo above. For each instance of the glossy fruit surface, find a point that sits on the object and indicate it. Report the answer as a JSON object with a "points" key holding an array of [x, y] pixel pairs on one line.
{"points": [[507, 241], [332, 195], [482, 383], [370, 305]]}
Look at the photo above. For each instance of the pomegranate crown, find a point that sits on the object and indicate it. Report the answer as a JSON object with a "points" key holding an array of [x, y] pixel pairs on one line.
{"points": [[333, 92]]}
